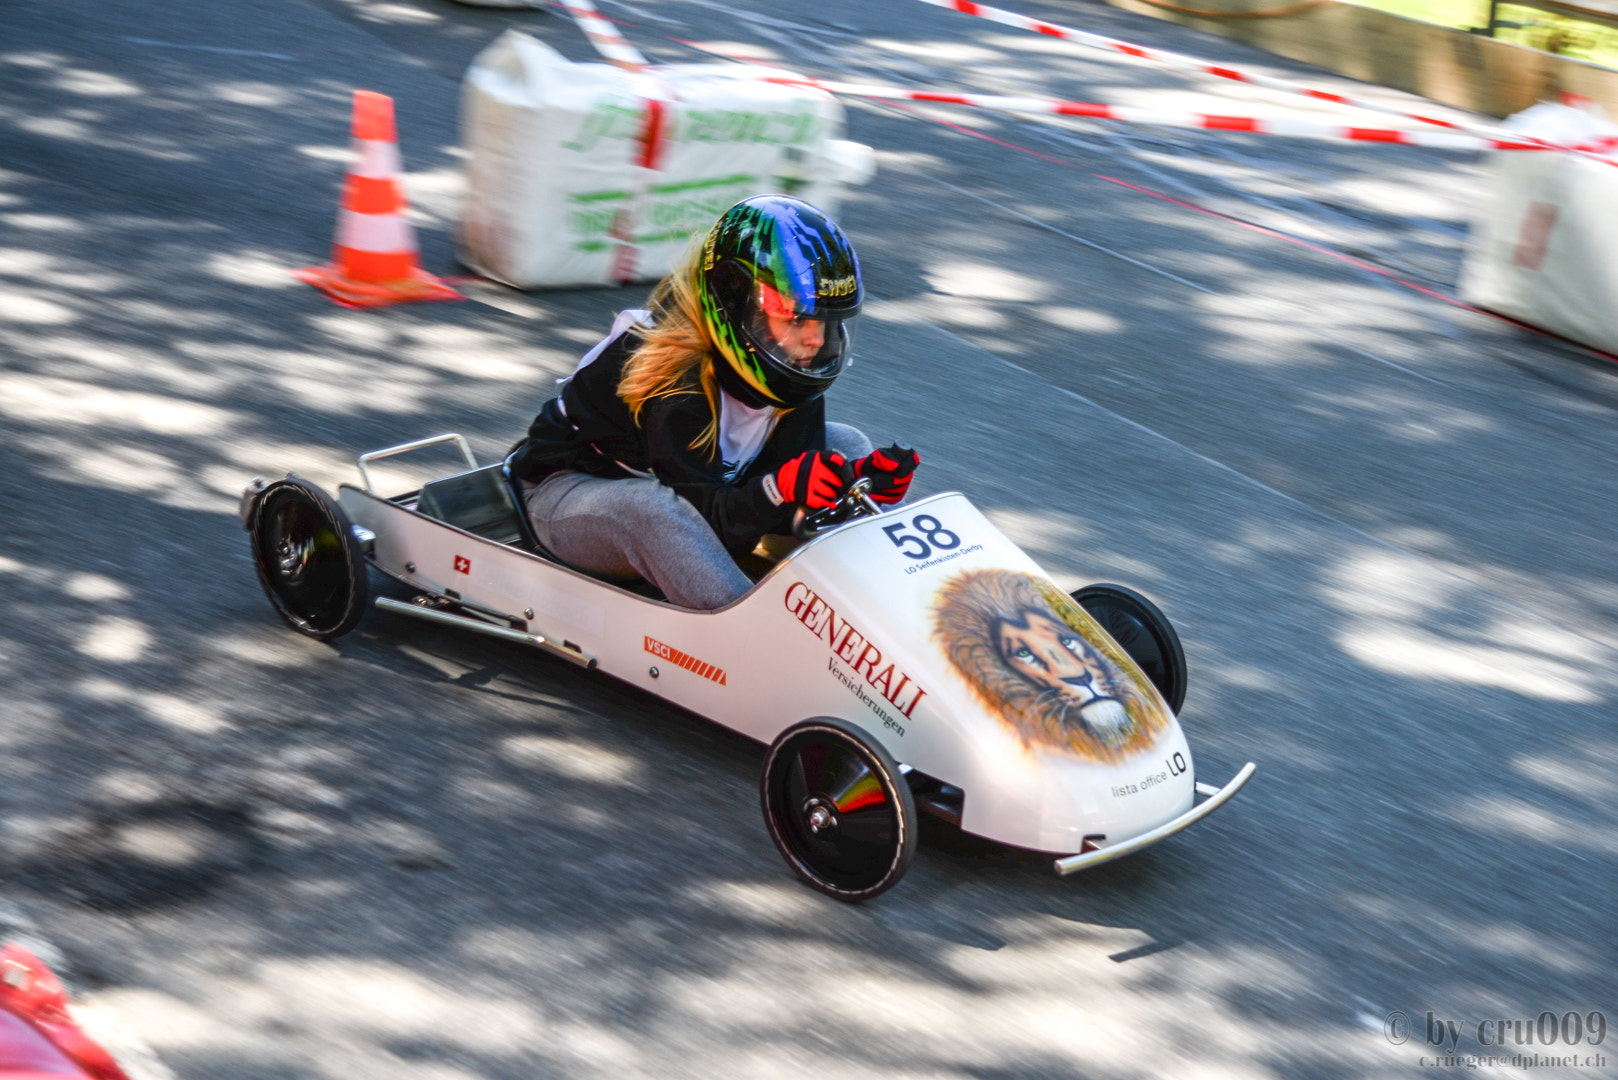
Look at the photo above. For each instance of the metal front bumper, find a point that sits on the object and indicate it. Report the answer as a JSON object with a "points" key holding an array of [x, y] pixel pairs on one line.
{"points": [[1215, 798]]}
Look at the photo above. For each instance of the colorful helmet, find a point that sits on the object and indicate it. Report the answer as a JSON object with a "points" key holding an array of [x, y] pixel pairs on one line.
{"points": [[780, 287]]}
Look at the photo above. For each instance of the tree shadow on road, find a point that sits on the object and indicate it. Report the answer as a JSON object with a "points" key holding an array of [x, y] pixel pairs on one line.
{"points": [[417, 854]]}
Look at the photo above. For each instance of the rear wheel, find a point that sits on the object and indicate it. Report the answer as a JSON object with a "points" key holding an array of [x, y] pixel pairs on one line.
{"points": [[308, 560], [838, 809], [1143, 632]]}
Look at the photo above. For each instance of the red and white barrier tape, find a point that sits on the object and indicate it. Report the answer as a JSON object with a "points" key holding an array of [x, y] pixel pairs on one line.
{"points": [[1191, 63], [653, 137], [1296, 128], [1599, 152], [612, 45]]}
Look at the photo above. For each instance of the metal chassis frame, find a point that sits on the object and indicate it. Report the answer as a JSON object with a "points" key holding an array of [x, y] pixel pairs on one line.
{"points": [[459, 440]]}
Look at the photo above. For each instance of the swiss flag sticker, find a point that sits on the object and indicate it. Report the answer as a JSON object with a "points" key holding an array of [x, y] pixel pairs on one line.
{"points": [[463, 565]]}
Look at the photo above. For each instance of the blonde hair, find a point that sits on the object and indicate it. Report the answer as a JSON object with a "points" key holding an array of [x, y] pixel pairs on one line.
{"points": [[676, 344]]}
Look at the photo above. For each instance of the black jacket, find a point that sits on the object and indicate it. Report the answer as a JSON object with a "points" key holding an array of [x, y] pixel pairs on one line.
{"points": [[588, 428]]}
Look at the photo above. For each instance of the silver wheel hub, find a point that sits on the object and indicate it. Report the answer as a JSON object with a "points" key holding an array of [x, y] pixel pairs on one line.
{"points": [[292, 558], [819, 817]]}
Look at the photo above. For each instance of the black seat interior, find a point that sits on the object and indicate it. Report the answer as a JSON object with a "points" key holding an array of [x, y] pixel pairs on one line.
{"points": [[480, 501]]}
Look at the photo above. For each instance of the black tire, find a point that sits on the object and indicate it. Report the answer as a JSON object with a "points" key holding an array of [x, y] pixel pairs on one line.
{"points": [[1143, 632], [308, 560], [838, 809]]}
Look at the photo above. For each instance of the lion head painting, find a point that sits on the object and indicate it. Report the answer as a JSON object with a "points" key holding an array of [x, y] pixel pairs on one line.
{"points": [[1032, 656]]}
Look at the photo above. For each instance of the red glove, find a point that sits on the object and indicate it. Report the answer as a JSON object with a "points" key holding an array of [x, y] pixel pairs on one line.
{"points": [[815, 478], [889, 469]]}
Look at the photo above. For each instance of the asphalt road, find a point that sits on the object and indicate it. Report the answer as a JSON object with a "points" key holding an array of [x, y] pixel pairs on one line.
{"points": [[1381, 522]]}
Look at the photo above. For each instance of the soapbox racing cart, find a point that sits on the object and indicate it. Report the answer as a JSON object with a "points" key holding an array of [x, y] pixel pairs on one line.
{"points": [[917, 661]]}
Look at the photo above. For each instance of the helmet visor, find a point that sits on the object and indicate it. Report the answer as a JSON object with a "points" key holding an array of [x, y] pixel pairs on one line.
{"points": [[811, 345]]}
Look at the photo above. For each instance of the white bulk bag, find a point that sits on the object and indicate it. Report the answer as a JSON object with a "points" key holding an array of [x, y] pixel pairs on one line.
{"points": [[1544, 246], [558, 189]]}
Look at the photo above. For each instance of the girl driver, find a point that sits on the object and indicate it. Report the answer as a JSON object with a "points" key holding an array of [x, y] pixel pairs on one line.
{"points": [[697, 427]]}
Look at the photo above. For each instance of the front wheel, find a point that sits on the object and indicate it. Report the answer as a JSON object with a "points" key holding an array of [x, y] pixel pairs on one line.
{"points": [[1143, 632], [307, 559], [838, 809]]}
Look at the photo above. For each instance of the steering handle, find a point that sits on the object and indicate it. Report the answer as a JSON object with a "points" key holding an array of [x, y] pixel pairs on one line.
{"points": [[855, 502]]}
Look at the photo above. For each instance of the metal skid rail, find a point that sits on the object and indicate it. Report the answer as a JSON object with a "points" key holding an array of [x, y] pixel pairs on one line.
{"points": [[1216, 797], [481, 626]]}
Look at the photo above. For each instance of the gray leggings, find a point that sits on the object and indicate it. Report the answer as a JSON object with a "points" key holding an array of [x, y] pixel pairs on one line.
{"points": [[640, 528]]}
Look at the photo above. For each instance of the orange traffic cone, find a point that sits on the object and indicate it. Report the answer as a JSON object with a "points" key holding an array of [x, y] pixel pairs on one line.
{"points": [[374, 259]]}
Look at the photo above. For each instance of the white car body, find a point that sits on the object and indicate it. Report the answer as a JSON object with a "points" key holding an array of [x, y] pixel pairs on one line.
{"points": [[845, 626]]}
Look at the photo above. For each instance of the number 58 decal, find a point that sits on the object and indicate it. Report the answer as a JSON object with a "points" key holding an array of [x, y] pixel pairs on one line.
{"points": [[932, 535]]}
